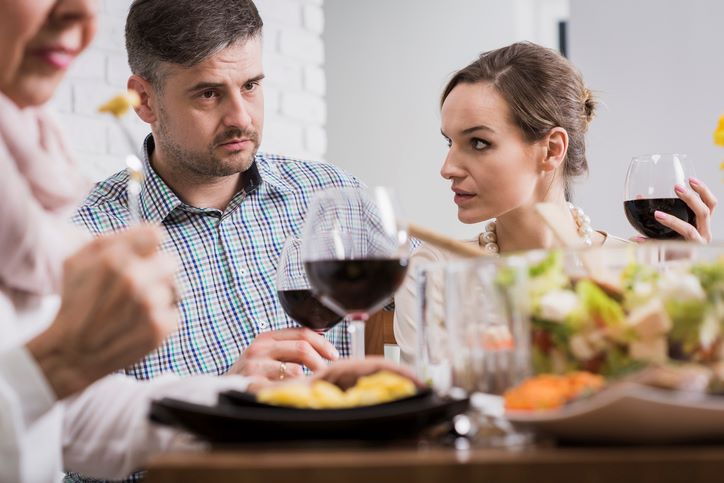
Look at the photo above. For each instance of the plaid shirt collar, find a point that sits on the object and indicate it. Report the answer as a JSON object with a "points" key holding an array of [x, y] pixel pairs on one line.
{"points": [[158, 200]]}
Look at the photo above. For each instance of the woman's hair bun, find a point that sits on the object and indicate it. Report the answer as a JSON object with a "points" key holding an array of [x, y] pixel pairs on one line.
{"points": [[589, 105]]}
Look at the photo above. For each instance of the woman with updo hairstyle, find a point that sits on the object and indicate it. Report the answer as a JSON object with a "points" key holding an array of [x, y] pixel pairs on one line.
{"points": [[515, 121], [534, 89]]}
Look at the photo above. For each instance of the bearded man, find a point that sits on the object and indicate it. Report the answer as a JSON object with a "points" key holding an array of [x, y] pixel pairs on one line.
{"points": [[227, 208]]}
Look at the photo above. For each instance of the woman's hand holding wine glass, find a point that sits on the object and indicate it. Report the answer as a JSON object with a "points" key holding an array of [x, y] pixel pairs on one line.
{"points": [[659, 205], [701, 201]]}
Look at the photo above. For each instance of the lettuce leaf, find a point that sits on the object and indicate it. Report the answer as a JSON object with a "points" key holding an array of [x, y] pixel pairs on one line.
{"points": [[547, 275], [559, 333], [550, 263], [711, 277], [597, 308], [637, 273], [618, 363], [633, 277], [686, 317]]}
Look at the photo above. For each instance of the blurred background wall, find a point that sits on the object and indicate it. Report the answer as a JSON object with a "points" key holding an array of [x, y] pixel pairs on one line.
{"points": [[654, 64], [358, 83], [658, 71]]}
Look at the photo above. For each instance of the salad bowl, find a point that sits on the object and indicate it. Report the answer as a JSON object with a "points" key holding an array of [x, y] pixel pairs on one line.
{"points": [[662, 304], [644, 322]]}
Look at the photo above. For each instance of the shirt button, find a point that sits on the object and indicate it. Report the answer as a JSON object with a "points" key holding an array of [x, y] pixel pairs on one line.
{"points": [[263, 325]]}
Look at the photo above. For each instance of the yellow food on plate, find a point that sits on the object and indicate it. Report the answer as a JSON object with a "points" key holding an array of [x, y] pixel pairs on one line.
{"points": [[293, 395], [378, 388], [549, 391], [327, 395], [120, 104]]}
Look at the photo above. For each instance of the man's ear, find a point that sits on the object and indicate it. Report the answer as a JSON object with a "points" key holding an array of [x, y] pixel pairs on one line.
{"points": [[149, 102], [556, 147]]}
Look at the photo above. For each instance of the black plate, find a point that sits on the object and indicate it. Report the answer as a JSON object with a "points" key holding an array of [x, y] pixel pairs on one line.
{"points": [[235, 420]]}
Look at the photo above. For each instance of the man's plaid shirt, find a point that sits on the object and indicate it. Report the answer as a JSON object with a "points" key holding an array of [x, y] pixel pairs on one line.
{"points": [[228, 258]]}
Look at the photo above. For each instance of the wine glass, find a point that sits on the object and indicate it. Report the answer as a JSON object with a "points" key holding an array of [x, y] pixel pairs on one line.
{"points": [[295, 294], [355, 253], [650, 184]]}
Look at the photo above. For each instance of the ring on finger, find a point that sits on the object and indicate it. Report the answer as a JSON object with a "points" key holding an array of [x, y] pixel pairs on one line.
{"points": [[175, 295], [282, 370]]}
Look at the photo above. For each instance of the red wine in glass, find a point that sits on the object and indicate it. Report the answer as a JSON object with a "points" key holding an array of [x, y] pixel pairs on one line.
{"points": [[356, 285], [302, 306], [295, 294], [640, 213], [650, 183]]}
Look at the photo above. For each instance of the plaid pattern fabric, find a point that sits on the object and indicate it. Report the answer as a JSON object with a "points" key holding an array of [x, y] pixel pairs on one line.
{"points": [[76, 478], [228, 258]]}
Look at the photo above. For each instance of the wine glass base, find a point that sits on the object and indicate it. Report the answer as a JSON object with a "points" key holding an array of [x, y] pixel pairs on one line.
{"points": [[488, 427], [499, 433]]}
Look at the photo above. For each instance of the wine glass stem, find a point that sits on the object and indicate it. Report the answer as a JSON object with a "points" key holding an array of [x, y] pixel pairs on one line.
{"points": [[356, 329]]}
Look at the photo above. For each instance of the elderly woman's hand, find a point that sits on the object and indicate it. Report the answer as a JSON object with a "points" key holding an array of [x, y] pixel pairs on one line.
{"points": [[702, 202], [119, 302]]}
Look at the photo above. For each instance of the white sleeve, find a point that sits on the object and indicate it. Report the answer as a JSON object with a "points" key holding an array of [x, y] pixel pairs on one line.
{"points": [[106, 430], [29, 429]]}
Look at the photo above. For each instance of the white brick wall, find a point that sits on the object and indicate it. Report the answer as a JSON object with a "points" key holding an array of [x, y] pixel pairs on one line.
{"points": [[295, 86], [296, 110]]}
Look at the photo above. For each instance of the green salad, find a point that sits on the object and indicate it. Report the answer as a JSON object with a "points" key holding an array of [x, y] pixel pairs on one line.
{"points": [[657, 316]]}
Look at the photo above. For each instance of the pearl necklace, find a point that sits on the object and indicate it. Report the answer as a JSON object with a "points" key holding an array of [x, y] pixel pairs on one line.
{"points": [[489, 239]]}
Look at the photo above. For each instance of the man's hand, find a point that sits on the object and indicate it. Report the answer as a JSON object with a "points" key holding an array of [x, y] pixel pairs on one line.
{"points": [[344, 373], [119, 301], [280, 354]]}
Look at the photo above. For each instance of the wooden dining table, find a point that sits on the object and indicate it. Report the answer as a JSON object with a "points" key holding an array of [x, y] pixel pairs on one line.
{"points": [[426, 463]]}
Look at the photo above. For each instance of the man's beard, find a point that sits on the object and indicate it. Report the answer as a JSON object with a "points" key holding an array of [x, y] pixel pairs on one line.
{"points": [[207, 163]]}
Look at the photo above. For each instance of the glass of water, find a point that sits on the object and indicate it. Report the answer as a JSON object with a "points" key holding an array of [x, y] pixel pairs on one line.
{"points": [[474, 338]]}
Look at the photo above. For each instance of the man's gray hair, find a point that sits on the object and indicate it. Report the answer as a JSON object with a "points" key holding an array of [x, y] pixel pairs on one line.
{"points": [[185, 32]]}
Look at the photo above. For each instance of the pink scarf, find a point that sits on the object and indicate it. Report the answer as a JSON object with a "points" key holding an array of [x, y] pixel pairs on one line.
{"points": [[39, 188]]}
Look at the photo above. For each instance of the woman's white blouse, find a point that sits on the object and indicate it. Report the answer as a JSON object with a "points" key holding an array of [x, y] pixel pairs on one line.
{"points": [[103, 432]]}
